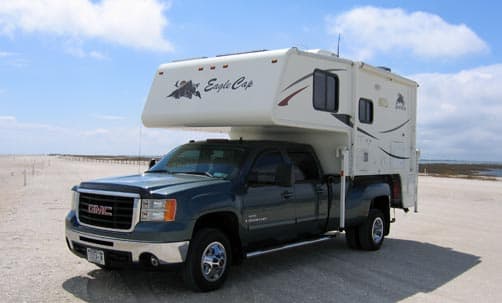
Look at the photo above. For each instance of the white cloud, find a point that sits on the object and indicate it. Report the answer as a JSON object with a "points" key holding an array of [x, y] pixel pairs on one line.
{"points": [[12, 59], [459, 114], [369, 30], [96, 132], [19, 137], [7, 119], [108, 117], [6, 54], [81, 53], [132, 23]]}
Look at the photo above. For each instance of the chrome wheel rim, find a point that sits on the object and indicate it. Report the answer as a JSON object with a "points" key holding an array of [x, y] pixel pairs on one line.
{"points": [[377, 230], [213, 261]]}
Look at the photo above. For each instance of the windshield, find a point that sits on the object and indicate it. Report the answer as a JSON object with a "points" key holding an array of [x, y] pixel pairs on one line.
{"points": [[202, 159]]}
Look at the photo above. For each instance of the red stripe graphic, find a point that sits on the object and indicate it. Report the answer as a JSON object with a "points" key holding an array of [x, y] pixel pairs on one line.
{"points": [[285, 101]]}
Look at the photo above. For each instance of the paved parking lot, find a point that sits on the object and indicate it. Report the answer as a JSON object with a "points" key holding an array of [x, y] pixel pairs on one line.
{"points": [[448, 252]]}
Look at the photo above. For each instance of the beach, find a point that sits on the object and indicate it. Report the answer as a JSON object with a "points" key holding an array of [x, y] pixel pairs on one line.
{"points": [[447, 252]]}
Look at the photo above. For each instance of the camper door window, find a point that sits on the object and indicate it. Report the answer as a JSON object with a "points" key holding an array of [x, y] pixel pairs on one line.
{"points": [[325, 94]]}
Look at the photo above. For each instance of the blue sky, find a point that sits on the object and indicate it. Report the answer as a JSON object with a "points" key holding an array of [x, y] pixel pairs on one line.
{"points": [[74, 74]]}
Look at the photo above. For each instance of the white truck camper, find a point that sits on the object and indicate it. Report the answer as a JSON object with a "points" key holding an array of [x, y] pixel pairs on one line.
{"points": [[318, 145], [360, 119]]}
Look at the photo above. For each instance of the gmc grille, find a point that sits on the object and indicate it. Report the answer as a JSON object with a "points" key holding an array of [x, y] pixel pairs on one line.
{"points": [[119, 211]]}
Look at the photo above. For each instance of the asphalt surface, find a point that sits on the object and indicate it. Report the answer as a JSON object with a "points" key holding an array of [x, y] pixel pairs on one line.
{"points": [[447, 252]]}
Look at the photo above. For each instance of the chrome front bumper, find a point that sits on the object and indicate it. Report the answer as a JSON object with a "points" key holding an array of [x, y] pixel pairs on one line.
{"points": [[167, 253]]}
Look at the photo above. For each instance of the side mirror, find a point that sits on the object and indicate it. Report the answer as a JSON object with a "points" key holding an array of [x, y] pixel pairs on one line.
{"points": [[284, 175], [152, 163]]}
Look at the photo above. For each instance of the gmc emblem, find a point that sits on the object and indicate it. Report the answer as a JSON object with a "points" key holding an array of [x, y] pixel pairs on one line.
{"points": [[99, 210]]}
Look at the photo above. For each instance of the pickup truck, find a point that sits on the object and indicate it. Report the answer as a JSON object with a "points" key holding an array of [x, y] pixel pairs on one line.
{"points": [[210, 204]]}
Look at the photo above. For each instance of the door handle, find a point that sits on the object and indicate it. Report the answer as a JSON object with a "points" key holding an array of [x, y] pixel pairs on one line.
{"points": [[287, 195]]}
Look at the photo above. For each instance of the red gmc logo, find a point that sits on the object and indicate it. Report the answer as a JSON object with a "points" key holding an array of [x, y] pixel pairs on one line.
{"points": [[99, 210]]}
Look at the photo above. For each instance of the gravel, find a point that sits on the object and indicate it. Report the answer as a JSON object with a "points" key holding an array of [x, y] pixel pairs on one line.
{"points": [[448, 252]]}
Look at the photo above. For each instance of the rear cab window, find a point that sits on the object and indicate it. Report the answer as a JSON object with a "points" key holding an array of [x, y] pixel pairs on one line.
{"points": [[305, 166]]}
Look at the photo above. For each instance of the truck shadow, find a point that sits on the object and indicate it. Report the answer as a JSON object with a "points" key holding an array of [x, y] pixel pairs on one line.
{"points": [[324, 272]]}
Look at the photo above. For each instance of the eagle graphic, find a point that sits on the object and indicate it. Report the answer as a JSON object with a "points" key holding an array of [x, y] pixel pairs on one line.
{"points": [[185, 89]]}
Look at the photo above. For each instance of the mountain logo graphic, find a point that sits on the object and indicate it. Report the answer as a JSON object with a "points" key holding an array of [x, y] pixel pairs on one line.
{"points": [[400, 102]]}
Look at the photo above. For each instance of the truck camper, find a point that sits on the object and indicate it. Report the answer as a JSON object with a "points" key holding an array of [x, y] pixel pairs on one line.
{"points": [[317, 145]]}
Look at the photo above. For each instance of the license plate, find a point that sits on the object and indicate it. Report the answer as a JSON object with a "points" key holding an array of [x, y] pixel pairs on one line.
{"points": [[96, 256]]}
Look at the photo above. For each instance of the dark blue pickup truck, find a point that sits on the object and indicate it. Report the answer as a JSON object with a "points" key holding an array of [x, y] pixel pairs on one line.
{"points": [[207, 205]]}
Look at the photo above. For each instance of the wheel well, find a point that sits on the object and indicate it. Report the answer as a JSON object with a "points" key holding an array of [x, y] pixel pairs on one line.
{"points": [[383, 204], [228, 223]]}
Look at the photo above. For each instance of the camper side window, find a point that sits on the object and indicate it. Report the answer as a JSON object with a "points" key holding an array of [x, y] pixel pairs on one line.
{"points": [[365, 111], [325, 93]]}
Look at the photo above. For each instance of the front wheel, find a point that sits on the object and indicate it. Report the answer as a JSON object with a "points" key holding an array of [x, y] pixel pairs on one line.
{"points": [[208, 260], [372, 232]]}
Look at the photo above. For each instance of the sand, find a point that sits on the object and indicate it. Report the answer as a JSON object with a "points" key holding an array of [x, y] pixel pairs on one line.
{"points": [[448, 252]]}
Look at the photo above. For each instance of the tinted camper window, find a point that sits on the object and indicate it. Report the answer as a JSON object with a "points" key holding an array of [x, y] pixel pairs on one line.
{"points": [[325, 93], [365, 111]]}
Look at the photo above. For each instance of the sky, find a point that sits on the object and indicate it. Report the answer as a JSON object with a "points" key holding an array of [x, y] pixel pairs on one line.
{"points": [[74, 74]]}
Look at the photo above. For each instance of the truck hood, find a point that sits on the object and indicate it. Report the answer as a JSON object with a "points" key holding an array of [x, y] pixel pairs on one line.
{"points": [[151, 183]]}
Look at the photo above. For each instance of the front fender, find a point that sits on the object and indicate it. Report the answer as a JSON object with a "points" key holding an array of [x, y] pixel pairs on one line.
{"points": [[212, 202]]}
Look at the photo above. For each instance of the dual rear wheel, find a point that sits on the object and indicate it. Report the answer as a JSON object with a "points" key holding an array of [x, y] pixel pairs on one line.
{"points": [[370, 234]]}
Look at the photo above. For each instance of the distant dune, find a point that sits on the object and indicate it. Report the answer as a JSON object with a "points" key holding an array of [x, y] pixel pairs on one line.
{"points": [[482, 171]]}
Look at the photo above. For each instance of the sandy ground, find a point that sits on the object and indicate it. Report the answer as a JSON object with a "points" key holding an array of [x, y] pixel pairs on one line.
{"points": [[448, 252]]}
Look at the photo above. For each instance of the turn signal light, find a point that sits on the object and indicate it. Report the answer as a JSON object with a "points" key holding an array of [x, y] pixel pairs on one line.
{"points": [[170, 210]]}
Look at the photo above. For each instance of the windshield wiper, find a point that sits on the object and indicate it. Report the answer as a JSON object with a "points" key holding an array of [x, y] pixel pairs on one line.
{"points": [[205, 173], [157, 171]]}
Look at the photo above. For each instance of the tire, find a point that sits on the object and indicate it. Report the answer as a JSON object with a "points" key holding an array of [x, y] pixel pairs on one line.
{"points": [[208, 260], [352, 238], [372, 231]]}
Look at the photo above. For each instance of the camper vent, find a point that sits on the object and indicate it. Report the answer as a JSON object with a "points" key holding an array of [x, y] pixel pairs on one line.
{"points": [[241, 53], [322, 52], [189, 59], [385, 68]]}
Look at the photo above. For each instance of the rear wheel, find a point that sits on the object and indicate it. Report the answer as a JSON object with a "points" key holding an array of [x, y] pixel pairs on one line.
{"points": [[208, 260], [372, 231]]}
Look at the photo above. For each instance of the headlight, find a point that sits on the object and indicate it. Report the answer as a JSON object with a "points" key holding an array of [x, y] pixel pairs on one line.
{"points": [[74, 200], [158, 210]]}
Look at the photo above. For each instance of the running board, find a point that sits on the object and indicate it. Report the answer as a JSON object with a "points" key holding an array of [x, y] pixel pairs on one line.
{"points": [[288, 246]]}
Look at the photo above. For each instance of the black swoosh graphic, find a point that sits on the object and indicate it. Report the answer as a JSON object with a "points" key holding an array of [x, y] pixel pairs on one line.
{"points": [[395, 128], [392, 155], [309, 75], [366, 133], [345, 119]]}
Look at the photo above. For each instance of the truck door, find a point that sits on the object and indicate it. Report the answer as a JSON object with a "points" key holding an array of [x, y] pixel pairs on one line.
{"points": [[268, 209], [310, 193]]}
